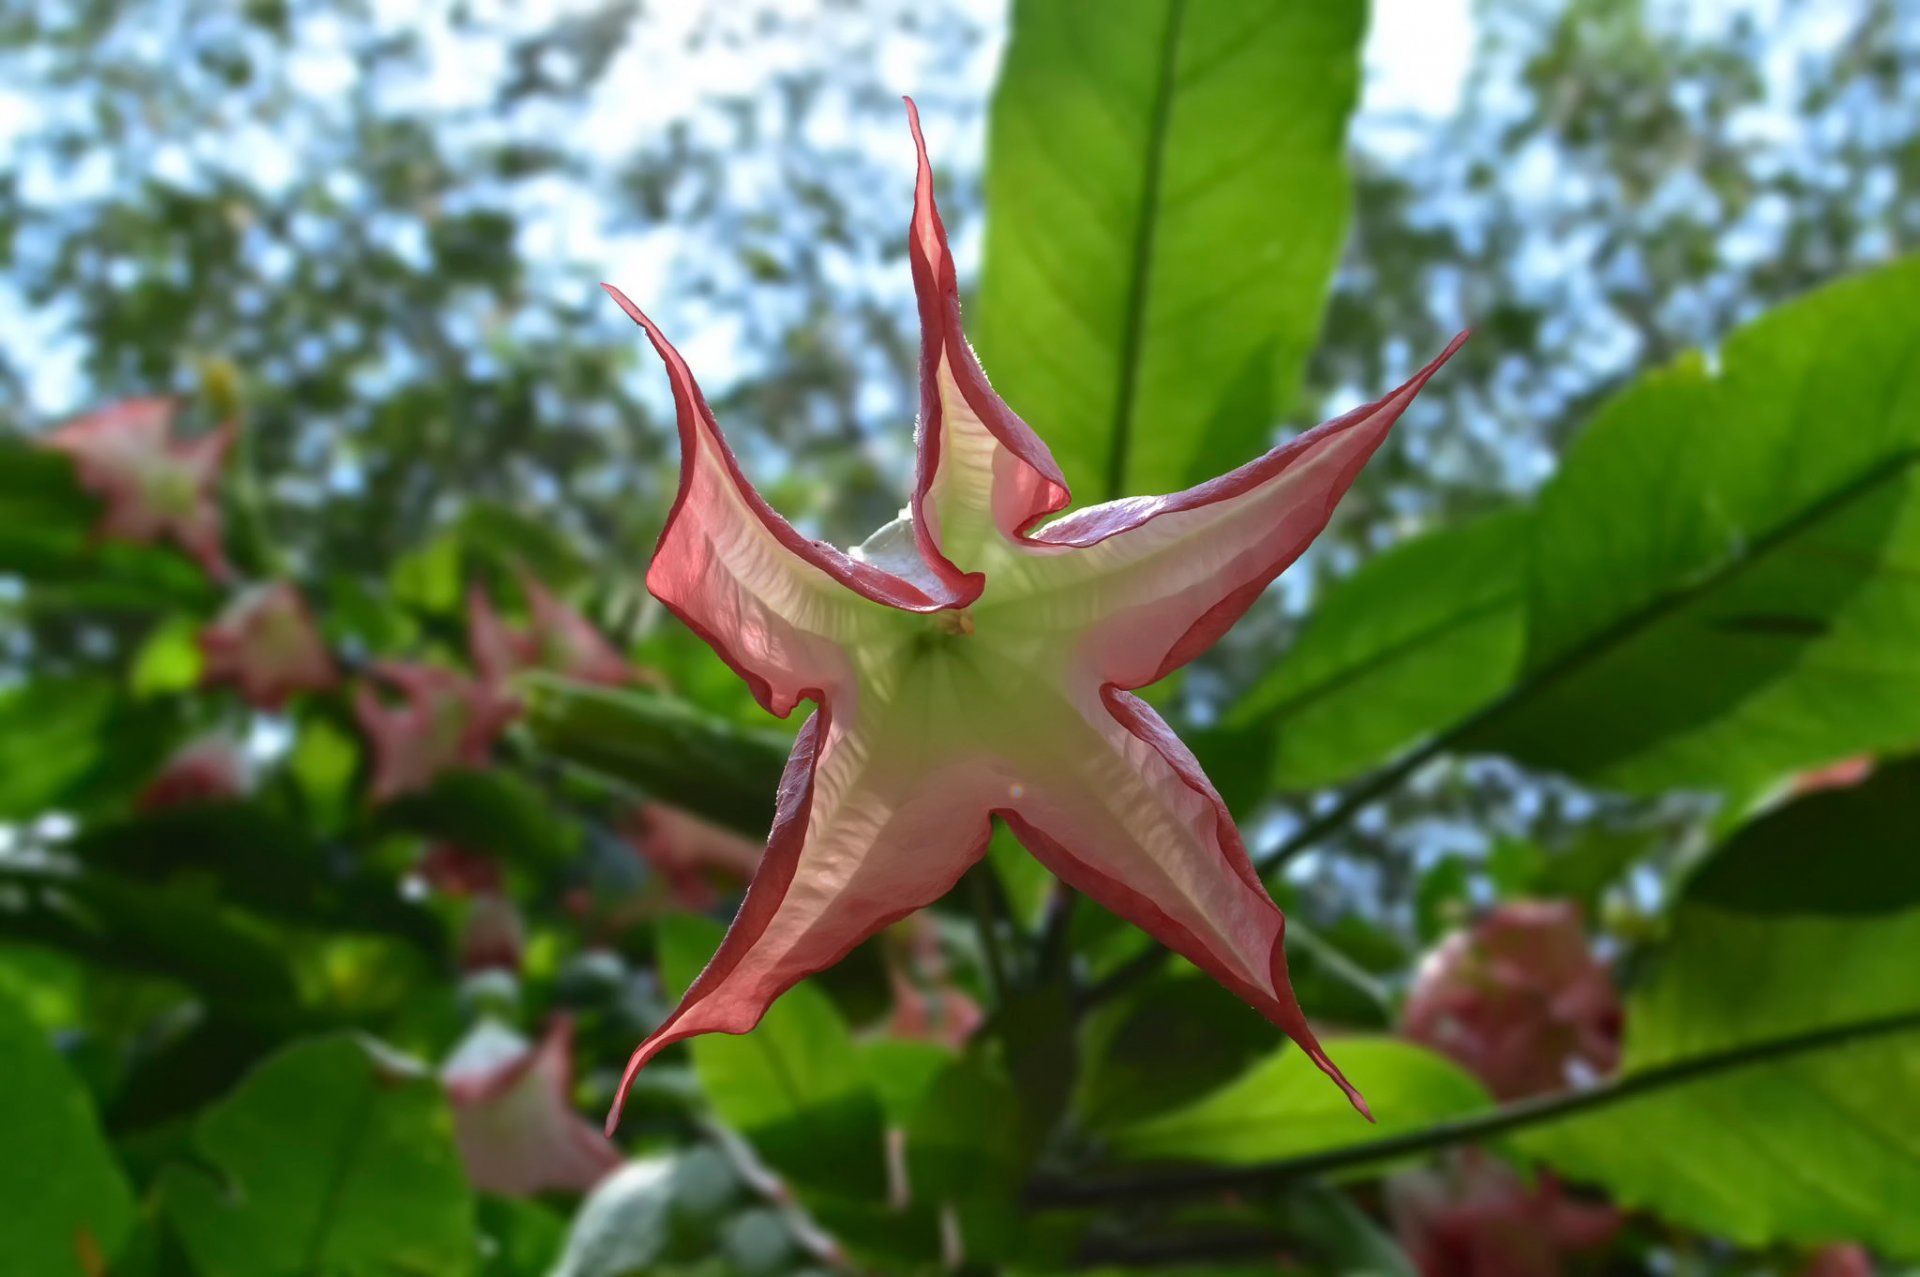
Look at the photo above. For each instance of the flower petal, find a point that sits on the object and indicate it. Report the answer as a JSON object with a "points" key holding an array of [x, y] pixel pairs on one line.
{"points": [[1155, 581], [766, 599], [512, 1117], [981, 470], [1126, 816], [864, 835]]}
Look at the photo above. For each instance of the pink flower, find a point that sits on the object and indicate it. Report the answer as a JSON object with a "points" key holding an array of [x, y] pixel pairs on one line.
{"points": [[209, 770], [1844, 1260], [972, 660], [492, 937], [266, 644], [457, 872], [444, 721], [694, 856], [513, 1119], [1519, 1001], [926, 1004], [1474, 1217], [153, 485], [560, 640]]}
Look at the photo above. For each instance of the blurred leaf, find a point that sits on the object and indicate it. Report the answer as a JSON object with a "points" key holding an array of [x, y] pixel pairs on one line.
{"points": [[1809, 1149], [960, 1143], [1789, 861], [1419, 637], [428, 578], [647, 1213], [225, 955], [1285, 1106], [1147, 299], [325, 1160], [322, 765], [1338, 1236], [1177, 1038], [67, 1202], [500, 538], [169, 661], [1724, 587], [521, 1238], [68, 742], [493, 811], [902, 1069], [663, 746], [794, 1085]]}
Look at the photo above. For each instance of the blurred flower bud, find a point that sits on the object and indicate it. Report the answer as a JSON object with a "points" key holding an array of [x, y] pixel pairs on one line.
{"points": [[266, 644], [153, 485], [457, 872], [444, 721], [1518, 1000], [695, 857], [209, 770], [513, 1117], [1473, 1216], [1845, 1260], [927, 1005], [492, 938]]}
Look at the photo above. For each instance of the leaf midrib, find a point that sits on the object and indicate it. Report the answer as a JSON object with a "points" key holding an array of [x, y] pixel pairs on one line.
{"points": [[1146, 225]]}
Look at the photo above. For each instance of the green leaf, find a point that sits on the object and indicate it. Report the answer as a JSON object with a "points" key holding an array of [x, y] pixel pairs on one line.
{"points": [[1168, 199], [1781, 862], [495, 812], [1176, 1039], [67, 1202], [169, 661], [70, 742], [325, 1160], [1724, 586], [662, 745], [1284, 1106], [1807, 1149], [794, 1085], [1418, 638]]}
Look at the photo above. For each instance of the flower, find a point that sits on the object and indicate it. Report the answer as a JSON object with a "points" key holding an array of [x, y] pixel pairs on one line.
{"points": [[1519, 1001], [1844, 1260], [965, 665], [454, 871], [153, 484], [691, 854], [560, 640], [926, 1004], [492, 937], [209, 770], [445, 721], [266, 644], [512, 1118], [1473, 1217]]}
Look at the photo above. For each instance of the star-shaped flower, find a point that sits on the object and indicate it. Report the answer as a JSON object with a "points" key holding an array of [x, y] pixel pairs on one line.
{"points": [[513, 1119], [974, 660], [560, 639], [266, 644], [444, 721], [153, 485], [211, 769], [694, 856]]}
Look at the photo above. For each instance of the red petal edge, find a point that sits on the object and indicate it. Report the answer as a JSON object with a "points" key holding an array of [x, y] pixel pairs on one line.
{"points": [[1042, 490]]}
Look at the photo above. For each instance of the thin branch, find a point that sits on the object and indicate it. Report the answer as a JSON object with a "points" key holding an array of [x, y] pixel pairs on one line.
{"points": [[1154, 1186]]}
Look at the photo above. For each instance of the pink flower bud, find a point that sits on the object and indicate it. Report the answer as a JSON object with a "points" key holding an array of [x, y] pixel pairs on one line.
{"points": [[153, 485], [1472, 1216], [209, 770], [266, 644], [444, 721], [1519, 1001], [1843, 1260], [457, 872], [492, 938], [513, 1119], [696, 857]]}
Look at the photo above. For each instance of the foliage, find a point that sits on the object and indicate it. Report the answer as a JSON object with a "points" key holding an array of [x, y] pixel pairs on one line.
{"points": [[1625, 616]]}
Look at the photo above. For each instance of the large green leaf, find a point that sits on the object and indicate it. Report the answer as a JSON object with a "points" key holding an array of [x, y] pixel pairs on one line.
{"points": [[325, 1160], [1284, 1106], [1415, 640], [794, 1085], [69, 743], [1168, 199], [67, 1203], [1725, 577], [1815, 1147], [1783, 862]]}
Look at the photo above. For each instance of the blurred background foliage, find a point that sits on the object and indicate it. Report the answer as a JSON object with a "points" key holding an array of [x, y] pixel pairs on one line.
{"points": [[1637, 572]]}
